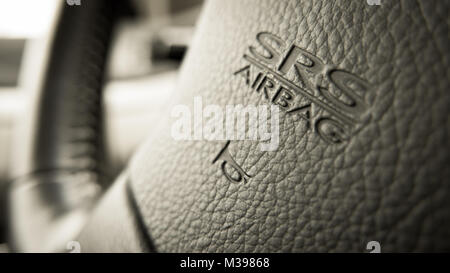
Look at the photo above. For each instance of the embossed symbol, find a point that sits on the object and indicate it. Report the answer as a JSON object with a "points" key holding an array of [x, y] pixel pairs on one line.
{"points": [[300, 83], [227, 160], [329, 100]]}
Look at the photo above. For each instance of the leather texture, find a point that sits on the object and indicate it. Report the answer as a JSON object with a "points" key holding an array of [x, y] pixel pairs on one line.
{"points": [[389, 182], [114, 224]]}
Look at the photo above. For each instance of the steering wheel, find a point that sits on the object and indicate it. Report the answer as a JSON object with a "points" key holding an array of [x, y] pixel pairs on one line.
{"points": [[362, 154]]}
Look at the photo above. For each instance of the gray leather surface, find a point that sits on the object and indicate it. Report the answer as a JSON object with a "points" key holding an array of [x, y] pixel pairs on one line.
{"points": [[114, 225], [389, 182]]}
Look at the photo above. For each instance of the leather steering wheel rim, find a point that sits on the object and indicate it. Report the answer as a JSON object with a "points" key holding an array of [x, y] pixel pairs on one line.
{"points": [[61, 172]]}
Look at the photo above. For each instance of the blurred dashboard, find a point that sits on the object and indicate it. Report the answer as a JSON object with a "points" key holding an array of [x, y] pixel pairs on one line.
{"points": [[147, 48]]}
